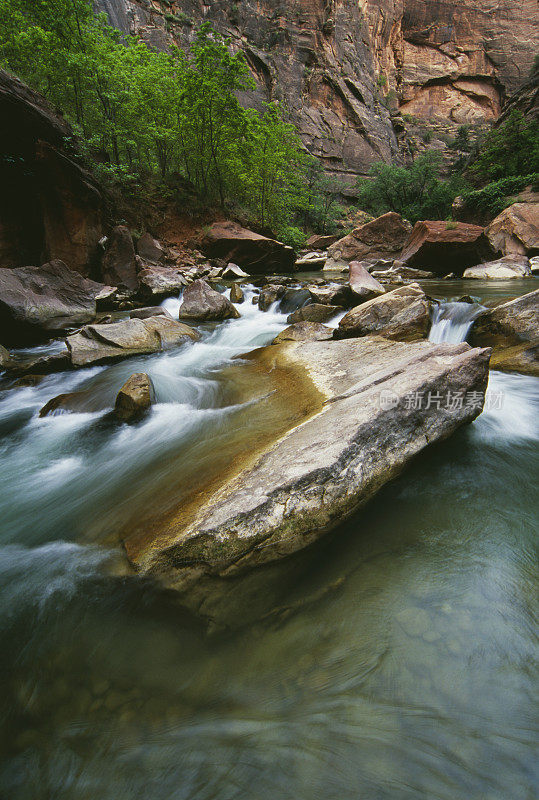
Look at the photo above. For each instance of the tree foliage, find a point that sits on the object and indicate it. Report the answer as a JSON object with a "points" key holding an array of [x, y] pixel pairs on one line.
{"points": [[509, 150], [415, 191], [143, 113]]}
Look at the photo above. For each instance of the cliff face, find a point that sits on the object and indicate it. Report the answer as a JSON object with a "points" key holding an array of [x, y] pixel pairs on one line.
{"points": [[349, 70]]}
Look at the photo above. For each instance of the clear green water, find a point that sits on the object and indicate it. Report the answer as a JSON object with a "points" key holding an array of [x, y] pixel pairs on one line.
{"points": [[401, 663]]}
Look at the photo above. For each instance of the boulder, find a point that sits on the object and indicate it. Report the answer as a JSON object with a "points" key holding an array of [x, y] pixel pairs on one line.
{"points": [[311, 262], [202, 303], [39, 302], [335, 294], [383, 237], [321, 242], [523, 358], [96, 344], [304, 332], [134, 398], [257, 254], [156, 281], [443, 247], [233, 271], [534, 265], [269, 294], [361, 283], [505, 268], [293, 299], [402, 314], [5, 358], [119, 266], [314, 312], [398, 270], [358, 431], [150, 311], [508, 324], [236, 294], [516, 230], [149, 249]]}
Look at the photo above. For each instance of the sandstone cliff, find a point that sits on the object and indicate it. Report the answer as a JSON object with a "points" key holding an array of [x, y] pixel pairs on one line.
{"points": [[350, 70]]}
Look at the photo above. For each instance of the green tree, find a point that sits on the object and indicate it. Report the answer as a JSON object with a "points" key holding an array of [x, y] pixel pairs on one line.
{"points": [[416, 191], [509, 150]]}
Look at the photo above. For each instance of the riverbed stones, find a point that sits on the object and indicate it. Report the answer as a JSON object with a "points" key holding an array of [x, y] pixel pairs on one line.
{"points": [[134, 398], [443, 247], [402, 314], [506, 268], [304, 332], [150, 311], [5, 357], [157, 281], [96, 344], [358, 432], [335, 294], [269, 294], [38, 302], [201, 303], [294, 298]]}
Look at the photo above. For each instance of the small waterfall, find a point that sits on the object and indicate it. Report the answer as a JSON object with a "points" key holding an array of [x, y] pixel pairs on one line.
{"points": [[451, 322]]}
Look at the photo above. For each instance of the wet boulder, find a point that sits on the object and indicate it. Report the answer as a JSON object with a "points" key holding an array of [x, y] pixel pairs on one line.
{"points": [[258, 255], [5, 358], [236, 294], [134, 398], [335, 294], [361, 283], [202, 303], [293, 299], [304, 332], [443, 247], [269, 294], [506, 268], [314, 312], [39, 302], [383, 237], [149, 311], [516, 230], [97, 344], [119, 266], [402, 314], [509, 323]]}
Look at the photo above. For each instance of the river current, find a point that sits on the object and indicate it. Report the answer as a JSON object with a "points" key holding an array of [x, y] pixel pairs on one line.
{"points": [[401, 662]]}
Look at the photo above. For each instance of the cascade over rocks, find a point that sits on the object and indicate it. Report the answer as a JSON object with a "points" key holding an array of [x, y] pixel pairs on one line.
{"points": [[38, 302], [446, 247], [402, 314], [202, 303], [96, 344], [257, 254], [357, 434], [513, 330], [383, 237]]}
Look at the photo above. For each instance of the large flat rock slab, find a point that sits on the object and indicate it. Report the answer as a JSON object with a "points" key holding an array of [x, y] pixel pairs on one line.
{"points": [[377, 404]]}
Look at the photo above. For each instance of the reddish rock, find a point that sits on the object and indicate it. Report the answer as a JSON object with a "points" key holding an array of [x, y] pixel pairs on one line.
{"points": [[257, 254], [317, 242], [119, 267], [383, 237], [446, 247], [150, 249], [516, 230], [50, 206]]}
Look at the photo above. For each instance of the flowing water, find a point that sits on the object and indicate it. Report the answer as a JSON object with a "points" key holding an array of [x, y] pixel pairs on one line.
{"points": [[401, 662]]}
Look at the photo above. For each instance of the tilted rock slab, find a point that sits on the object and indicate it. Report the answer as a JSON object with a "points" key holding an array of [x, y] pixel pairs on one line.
{"points": [[361, 432], [402, 314], [96, 344]]}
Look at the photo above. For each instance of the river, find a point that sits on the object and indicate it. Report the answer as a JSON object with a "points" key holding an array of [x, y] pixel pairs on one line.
{"points": [[400, 666]]}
